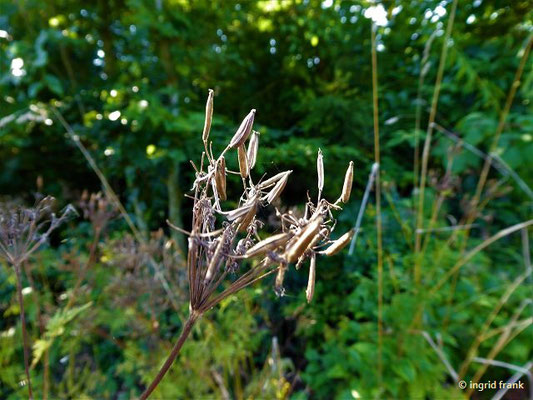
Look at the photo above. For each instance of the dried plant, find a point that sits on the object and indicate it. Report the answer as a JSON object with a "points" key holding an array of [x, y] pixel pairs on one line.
{"points": [[22, 232], [231, 249]]}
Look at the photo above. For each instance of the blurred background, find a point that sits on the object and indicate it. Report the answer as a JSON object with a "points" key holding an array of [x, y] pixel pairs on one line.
{"points": [[128, 79]]}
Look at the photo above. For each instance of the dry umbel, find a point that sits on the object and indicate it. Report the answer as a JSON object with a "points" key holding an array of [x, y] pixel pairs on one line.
{"points": [[229, 249]]}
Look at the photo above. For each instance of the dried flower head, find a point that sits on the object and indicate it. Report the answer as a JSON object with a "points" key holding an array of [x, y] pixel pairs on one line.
{"points": [[98, 209], [23, 230]]}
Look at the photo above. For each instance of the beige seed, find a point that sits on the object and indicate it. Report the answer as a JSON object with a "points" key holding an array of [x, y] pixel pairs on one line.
{"points": [[303, 240], [272, 181], [339, 244], [247, 219], [271, 243], [216, 257], [243, 161], [311, 282], [253, 147], [320, 235], [208, 115], [220, 178], [237, 213], [347, 187], [244, 130], [276, 190], [320, 170], [280, 277]]}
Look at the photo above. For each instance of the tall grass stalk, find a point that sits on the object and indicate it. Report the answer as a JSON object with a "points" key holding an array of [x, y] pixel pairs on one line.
{"points": [[427, 145], [378, 202]]}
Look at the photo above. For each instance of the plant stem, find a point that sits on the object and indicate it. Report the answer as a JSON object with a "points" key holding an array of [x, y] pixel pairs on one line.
{"points": [[193, 317], [24, 333], [427, 145], [377, 161]]}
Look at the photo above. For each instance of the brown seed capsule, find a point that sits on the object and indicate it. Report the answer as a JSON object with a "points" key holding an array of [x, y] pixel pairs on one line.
{"points": [[211, 269], [320, 170], [272, 181], [253, 146], [244, 130], [347, 187], [280, 277], [269, 244], [311, 282], [339, 244], [276, 190], [208, 115], [320, 235], [246, 220], [243, 161], [303, 240], [220, 178], [237, 213]]}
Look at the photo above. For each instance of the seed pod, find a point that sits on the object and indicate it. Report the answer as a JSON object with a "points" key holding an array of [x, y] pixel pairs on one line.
{"points": [[311, 282], [303, 240], [208, 115], [271, 243], [347, 187], [320, 170], [312, 244], [244, 130], [253, 146], [276, 190], [246, 220], [272, 181], [339, 244], [243, 161], [280, 277], [217, 256], [220, 178], [236, 213]]}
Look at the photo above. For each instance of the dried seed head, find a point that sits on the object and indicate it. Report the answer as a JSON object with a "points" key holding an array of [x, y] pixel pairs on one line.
{"points": [[277, 189], [304, 238], [272, 181], [320, 170], [347, 187], [269, 244], [208, 115], [220, 178], [243, 161], [252, 148], [339, 244], [311, 282], [244, 130]]}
